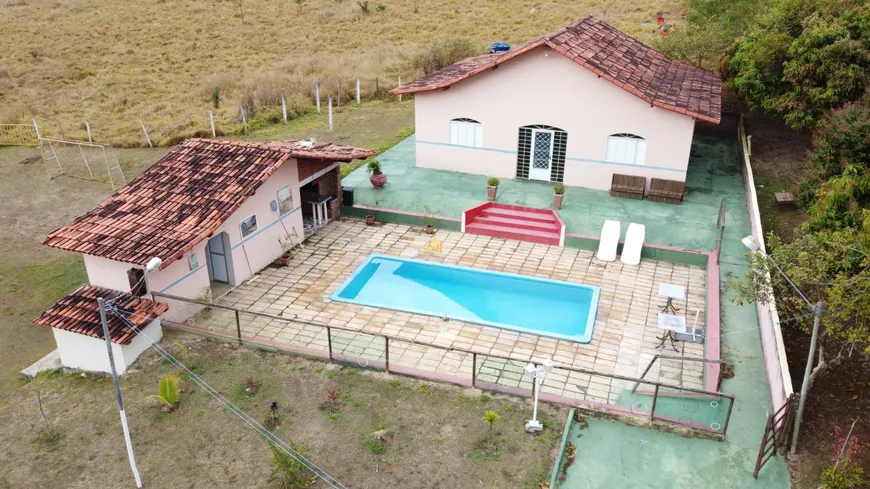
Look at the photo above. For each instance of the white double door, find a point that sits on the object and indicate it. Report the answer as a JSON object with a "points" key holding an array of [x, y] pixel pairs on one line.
{"points": [[541, 157]]}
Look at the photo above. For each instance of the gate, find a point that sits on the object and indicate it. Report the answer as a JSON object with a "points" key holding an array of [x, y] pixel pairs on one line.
{"points": [[776, 434], [18, 135]]}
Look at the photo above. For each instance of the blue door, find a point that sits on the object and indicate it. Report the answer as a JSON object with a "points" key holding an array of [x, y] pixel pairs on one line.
{"points": [[217, 258]]}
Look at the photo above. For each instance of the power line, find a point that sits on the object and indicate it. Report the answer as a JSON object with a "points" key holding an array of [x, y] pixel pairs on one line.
{"points": [[265, 433]]}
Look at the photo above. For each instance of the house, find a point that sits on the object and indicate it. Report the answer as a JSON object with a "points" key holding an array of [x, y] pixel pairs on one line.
{"points": [[576, 106], [214, 212]]}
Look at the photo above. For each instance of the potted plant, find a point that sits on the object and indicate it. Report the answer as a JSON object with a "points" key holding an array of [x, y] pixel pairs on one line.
{"points": [[376, 176], [558, 193], [491, 188], [205, 313], [286, 243], [370, 217], [429, 217]]}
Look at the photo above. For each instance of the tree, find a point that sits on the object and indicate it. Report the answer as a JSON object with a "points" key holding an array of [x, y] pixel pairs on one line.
{"points": [[832, 266], [804, 58], [287, 471]]}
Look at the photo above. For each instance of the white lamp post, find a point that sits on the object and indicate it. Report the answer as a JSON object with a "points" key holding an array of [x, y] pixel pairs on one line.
{"points": [[537, 373], [754, 246]]}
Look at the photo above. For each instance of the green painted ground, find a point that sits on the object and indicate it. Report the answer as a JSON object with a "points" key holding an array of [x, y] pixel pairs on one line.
{"points": [[614, 454], [690, 225]]}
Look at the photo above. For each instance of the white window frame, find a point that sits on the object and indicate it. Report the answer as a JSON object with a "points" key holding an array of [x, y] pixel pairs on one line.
{"points": [[625, 148], [466, 132]]}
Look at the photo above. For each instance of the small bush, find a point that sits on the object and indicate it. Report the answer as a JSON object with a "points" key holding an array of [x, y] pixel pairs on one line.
{"points": [[216, 97], [492, 182], [442, 55], [287, 472], [559, 189], [363, 7], [376, 447], [843, 476], [48, 437], [381, 8], [169, 391]]}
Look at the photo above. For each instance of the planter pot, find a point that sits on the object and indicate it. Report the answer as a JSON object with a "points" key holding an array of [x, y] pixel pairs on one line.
{"points": [[430, 229], [557, 201], [370, 219], [378, 180], [284, 260], [490, 193]]}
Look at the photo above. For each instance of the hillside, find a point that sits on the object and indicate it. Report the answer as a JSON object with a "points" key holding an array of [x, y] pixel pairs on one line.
{"points": [[113, 62]]}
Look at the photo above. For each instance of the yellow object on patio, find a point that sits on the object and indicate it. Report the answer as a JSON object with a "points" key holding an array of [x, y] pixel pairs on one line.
{"points": [[434, 245]]}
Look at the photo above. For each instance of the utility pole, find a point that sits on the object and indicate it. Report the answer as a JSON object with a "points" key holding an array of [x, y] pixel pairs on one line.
{"points": [[127, 440], [805, 387]]}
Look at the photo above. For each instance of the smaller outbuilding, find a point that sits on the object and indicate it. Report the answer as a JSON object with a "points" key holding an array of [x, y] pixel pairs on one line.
{"points": [[78, 330]]}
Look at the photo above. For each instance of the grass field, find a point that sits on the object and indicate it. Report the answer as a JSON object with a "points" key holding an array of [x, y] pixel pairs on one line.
{"points": [[113, 62], [436, 430]]}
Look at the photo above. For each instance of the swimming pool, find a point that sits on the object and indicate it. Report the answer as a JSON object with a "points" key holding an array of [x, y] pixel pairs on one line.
{"points": [[527, 304]]}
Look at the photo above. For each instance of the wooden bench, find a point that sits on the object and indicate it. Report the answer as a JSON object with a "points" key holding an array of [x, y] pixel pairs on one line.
{"points": [[666, 191], [627, 186]]}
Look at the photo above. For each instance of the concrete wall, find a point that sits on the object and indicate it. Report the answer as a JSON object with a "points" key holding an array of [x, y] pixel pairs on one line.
{"points": [[534, 88], [81, 352]]}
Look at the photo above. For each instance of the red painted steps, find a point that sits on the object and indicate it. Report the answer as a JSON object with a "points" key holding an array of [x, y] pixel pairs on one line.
{"points": [[514, 222]]}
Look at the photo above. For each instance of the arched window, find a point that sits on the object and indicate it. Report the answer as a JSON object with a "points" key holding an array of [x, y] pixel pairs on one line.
{"points": [[626, 148], [466, 132]]}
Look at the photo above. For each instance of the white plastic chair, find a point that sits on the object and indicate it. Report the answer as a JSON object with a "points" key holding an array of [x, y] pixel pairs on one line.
{"points": [[634, 237], [609, 241]]}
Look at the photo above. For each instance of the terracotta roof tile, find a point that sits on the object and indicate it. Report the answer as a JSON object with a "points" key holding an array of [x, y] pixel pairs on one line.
{"points": [[79, 313], [613, 55], [183, 198]]}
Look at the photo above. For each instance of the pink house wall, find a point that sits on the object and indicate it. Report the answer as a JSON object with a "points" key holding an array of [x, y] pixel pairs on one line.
{"points": [[535, 88], [179, 279]]}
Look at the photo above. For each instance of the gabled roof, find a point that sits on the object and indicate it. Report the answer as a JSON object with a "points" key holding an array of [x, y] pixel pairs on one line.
{"points": [[79, 313], [321, 151], [182, 199], [612, 55]]}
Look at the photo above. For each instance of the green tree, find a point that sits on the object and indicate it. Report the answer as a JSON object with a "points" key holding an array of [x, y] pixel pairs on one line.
{"points": [[490, 417], [804, 58], [832, 266]]}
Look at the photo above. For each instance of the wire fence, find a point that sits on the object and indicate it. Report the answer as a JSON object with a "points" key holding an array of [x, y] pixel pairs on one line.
{"points": [[662, 402]]}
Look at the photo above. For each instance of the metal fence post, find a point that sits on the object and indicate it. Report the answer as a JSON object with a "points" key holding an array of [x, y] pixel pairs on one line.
{"points": [[727, 417], [387, 352], [238, 327], [329, 340], [652, 409], [474, 369]]}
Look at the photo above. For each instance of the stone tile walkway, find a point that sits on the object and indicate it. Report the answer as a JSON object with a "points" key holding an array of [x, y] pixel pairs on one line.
{"points": [[624, 339]]}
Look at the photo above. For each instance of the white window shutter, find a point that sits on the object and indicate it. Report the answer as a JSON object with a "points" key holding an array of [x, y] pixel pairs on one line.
{"points": [[478, 135], [640, 154], [455, 127]]}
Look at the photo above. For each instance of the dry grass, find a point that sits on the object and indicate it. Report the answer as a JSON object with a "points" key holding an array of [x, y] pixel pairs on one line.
{"points": [[113, 61], [434, 429]]}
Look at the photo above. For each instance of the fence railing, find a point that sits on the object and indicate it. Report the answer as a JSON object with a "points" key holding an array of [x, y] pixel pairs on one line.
{"points": [[720, 225], [775, 363], [438, 360], [18, 135]]}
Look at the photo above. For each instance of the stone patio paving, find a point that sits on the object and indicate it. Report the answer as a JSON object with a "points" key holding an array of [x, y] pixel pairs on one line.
{"points": [[624, 338]]}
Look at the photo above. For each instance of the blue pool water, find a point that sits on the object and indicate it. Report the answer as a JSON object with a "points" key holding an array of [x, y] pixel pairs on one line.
{"points": [[527, 304]]}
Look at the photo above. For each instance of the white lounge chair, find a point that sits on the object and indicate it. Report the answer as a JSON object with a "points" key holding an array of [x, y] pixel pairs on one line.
{"points": [[609, 241], [634, 236]]}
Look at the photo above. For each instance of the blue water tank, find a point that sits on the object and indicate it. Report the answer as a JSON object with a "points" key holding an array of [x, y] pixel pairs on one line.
{"points": [[500, 47]]}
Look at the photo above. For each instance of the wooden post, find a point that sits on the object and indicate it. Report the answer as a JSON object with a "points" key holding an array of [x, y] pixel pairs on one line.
{"points": [[147, 137], [244, 118], [61, 129], [330, 112], [238, 327], [474, 369], [317, 94], [387, 352], [357, 90], [284, 105], [211, 119], [90, 135], [329, 339], [339, 93], [400, 86], [377, 88]]}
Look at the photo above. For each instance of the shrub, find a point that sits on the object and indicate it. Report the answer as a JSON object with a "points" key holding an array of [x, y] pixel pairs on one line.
{"points": [[490, 417], [287, 472], [843, 476], [442, 55], [363, 7], [169, 391], [492, 182], [558, 189], [216, 97], [374, 168]]}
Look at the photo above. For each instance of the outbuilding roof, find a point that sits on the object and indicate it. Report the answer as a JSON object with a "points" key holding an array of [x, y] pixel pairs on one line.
{"points": [[79, 313], [612, 55], [183, 198]]}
